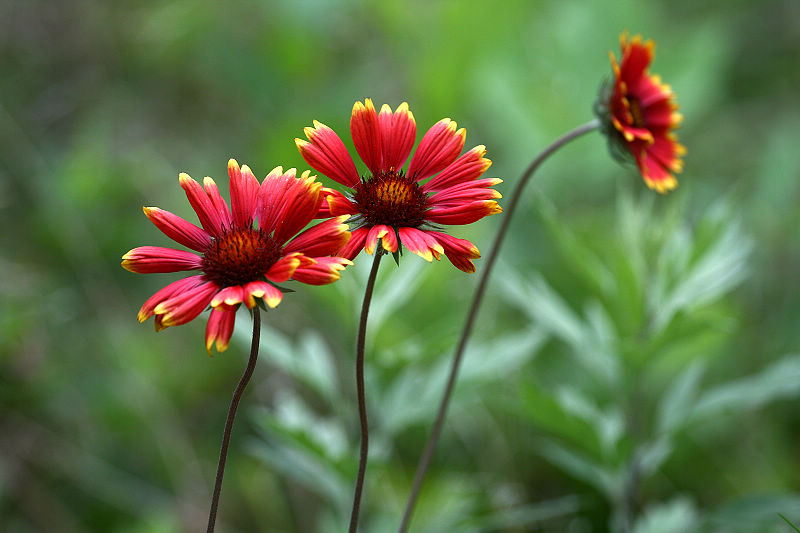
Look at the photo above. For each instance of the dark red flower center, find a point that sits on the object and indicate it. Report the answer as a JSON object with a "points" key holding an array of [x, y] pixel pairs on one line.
{"points": [[636, 112], [239, 257], [391, 198]]}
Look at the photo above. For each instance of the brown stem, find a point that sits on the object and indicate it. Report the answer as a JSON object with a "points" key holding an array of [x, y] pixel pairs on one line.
{"points": [[433, 439], [226, 435], [362, 402]]}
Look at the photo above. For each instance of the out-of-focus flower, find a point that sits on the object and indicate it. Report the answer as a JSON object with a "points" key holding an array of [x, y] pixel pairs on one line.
{"points": [[239, 261], [639, 114], [394, 205]]}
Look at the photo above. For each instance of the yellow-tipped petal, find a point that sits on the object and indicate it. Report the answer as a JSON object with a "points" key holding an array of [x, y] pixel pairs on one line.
{"points": [[272, 301], [275, 172]]}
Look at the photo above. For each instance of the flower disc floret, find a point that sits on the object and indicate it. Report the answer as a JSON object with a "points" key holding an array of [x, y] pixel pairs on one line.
{"points": [[239, 257], [391, 198]]}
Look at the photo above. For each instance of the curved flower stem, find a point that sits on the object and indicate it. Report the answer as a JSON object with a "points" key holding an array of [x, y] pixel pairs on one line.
{"points": [[226, 435], [362, 402], [473, 312]]}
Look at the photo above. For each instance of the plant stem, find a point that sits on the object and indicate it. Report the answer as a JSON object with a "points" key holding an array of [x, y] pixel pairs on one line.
{"points": [[226, 435], [473, 312], [362, 402]]}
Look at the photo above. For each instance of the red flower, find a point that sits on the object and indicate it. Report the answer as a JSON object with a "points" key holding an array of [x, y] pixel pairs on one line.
{"points": [[392, 205], [643, 113], [239, 262]]}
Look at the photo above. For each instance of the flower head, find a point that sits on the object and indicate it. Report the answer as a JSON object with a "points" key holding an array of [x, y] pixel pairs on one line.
{"points": [[239, 261], [394, 205], [639, 113]]}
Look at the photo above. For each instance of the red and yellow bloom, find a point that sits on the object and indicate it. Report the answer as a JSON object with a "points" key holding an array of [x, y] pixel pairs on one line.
{"points": [[394, 205], [642, 112], [239, 262]]}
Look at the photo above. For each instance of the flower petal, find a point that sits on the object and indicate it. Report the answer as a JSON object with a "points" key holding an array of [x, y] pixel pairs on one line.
{"points": [[438, 148], [284, 267], [220, 328], [325, 238], [356, 243], [468, 167], [326, 153], [271, 197], [420, 242], [232, 295], [636, 56], [325, 270], [389, 240], [287, 204], [157, 260], [244, 194], [202, 205], [338, 203], [657, 161], [271, 295], [333, 199], [366, 134], [465, 213], [460, 252], [174, 288], [184, 307], [465, 192], [398, 133], [223, 213], [632, 133], [178, 229], [380, 232]]}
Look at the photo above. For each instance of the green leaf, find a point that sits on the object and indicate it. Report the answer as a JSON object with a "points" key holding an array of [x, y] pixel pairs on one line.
{"points": [[524, 517], [788, 522], [608, 424], [545, 412], [413, 395], [309, 449], [579, 258], [607, 480], [677, 516], [653, 454], [590, 341], [755, 512], [677, 403], [779, 380], [717, 271]]}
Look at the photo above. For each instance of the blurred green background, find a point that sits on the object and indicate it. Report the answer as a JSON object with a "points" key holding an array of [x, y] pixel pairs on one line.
{"points": [[635, 367]]}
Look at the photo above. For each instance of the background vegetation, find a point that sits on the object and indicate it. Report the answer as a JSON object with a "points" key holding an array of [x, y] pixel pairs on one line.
{"points": [[636, 364]]}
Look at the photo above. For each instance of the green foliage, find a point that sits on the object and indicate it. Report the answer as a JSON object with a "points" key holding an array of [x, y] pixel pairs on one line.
{"points": [[634, 368], [789, 522]]}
